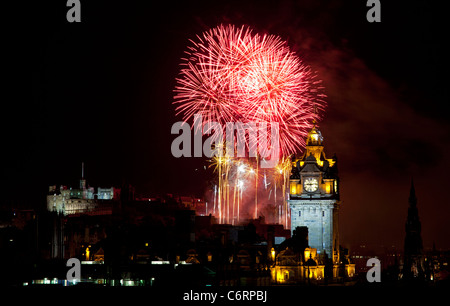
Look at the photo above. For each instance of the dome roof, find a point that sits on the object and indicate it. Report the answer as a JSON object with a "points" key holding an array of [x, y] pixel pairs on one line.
{"points": [[314, 137]]}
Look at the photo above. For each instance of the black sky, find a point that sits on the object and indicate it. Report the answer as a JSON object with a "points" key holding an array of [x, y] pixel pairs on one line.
{"points": [[100, 91]]}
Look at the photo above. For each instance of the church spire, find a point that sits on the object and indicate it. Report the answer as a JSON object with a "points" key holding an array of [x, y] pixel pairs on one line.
{"points": [[413, 226], [412, 195], [413, 260]]}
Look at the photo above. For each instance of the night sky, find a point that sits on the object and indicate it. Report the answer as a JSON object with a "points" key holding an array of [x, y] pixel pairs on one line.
{"points": [[100, 92]]}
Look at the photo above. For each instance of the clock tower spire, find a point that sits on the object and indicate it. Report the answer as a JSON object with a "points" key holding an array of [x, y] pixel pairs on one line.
{"points": [[314, 196]]}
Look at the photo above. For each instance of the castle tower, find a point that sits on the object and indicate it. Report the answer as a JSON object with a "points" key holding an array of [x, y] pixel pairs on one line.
{"points": [[413, 252], [314, 196]]}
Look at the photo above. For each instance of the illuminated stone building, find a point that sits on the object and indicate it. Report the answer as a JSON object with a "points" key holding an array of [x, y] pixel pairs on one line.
{"points": [[314, 196], [70, 201], [314, 203], [291, 267]]}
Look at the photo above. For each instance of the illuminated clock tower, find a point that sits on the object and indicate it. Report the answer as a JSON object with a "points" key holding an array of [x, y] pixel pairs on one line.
{"points": [[314, 196]]}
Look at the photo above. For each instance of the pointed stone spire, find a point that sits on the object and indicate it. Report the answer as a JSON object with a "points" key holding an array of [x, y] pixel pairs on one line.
{"points": [[412, 195], [413, 251], [412, 222]]}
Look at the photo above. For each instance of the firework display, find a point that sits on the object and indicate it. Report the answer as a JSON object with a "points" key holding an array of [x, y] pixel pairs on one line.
{"points": [[241, 184], [230, 74]]}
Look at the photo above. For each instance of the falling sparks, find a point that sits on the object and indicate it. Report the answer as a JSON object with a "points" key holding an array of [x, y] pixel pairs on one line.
{"points": [[233, 75], [230, 74], [237, 188]]}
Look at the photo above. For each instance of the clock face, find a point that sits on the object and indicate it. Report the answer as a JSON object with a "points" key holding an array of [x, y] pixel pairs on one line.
{"points": [[311, 184]]}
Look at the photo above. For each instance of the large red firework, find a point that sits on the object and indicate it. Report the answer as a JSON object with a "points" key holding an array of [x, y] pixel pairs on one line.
{"points": [[233, 75]]}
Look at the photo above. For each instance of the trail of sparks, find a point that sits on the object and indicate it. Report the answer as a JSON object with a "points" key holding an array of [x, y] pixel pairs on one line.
{"points": [[239, 175], [233, 75], [230, 74]]}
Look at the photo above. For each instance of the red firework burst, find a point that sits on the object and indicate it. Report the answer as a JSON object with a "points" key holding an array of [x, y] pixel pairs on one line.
{"points": [[233, 75]]}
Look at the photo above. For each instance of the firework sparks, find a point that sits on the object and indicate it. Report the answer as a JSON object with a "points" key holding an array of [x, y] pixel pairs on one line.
{"points": [[242, 190], [231, 74]]}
